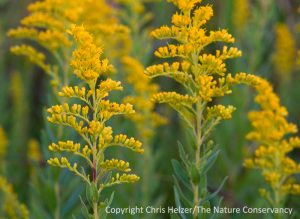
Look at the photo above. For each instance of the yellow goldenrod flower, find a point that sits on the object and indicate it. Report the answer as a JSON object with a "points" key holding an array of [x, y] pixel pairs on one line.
{"points": [[284, 57], [115, 164], [88, 54], [89, 119], [35, 156], [46, 24], [220, 111], [34, 151], [33, 55], [124, 178], [201, 74], [3, 144], [270, 129], [241, 14], [99, 17], [10, 207]]}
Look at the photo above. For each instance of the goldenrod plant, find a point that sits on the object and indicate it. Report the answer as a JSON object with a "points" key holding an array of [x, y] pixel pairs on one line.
{"points": [[273, 135], [3, 145], [34, 152], [204, 78], [10, 207], [18, 133], [241, 16], [46, 24], [284, 57], [100, 18], [89, 119], [50, 47]]}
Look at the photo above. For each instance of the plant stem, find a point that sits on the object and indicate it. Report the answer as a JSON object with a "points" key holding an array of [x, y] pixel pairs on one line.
{"points": [[277, 203], [94, 151], [95, 210], [197, 154], [277, 194]]}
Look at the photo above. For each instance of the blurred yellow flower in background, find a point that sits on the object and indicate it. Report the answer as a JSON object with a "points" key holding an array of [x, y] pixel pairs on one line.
{"points": [[285, 54], [241, 15], [3, 144], [10, 207]]}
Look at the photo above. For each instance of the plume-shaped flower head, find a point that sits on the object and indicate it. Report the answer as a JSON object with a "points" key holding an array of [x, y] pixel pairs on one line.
{"points": [[89, 117], [203, 75]]}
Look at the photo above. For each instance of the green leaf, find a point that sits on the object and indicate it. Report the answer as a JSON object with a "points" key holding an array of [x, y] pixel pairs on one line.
{"points": [[111, 198], [178, 203], [84, 209], [214, 216], [187, 116], [107, 178], [102, 213], [71, 202], [174, 216], [185, 199], [195, 174], [214, 194], [203, 185], [181, 173], [210, 161], [92, 194], [183, 156]]}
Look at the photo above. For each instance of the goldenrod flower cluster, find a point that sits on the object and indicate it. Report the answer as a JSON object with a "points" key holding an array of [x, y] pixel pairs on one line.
{"points": [[202, 75], [89, 118], [272, 132], [100, 19], [10, 207], [145, 119], [46, 24], [285, 54]]}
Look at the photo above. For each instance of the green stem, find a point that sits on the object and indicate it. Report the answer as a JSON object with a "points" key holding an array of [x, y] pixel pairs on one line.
{"points": [[94, 151], [277, 203], [95, 210], [197, 154]]}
